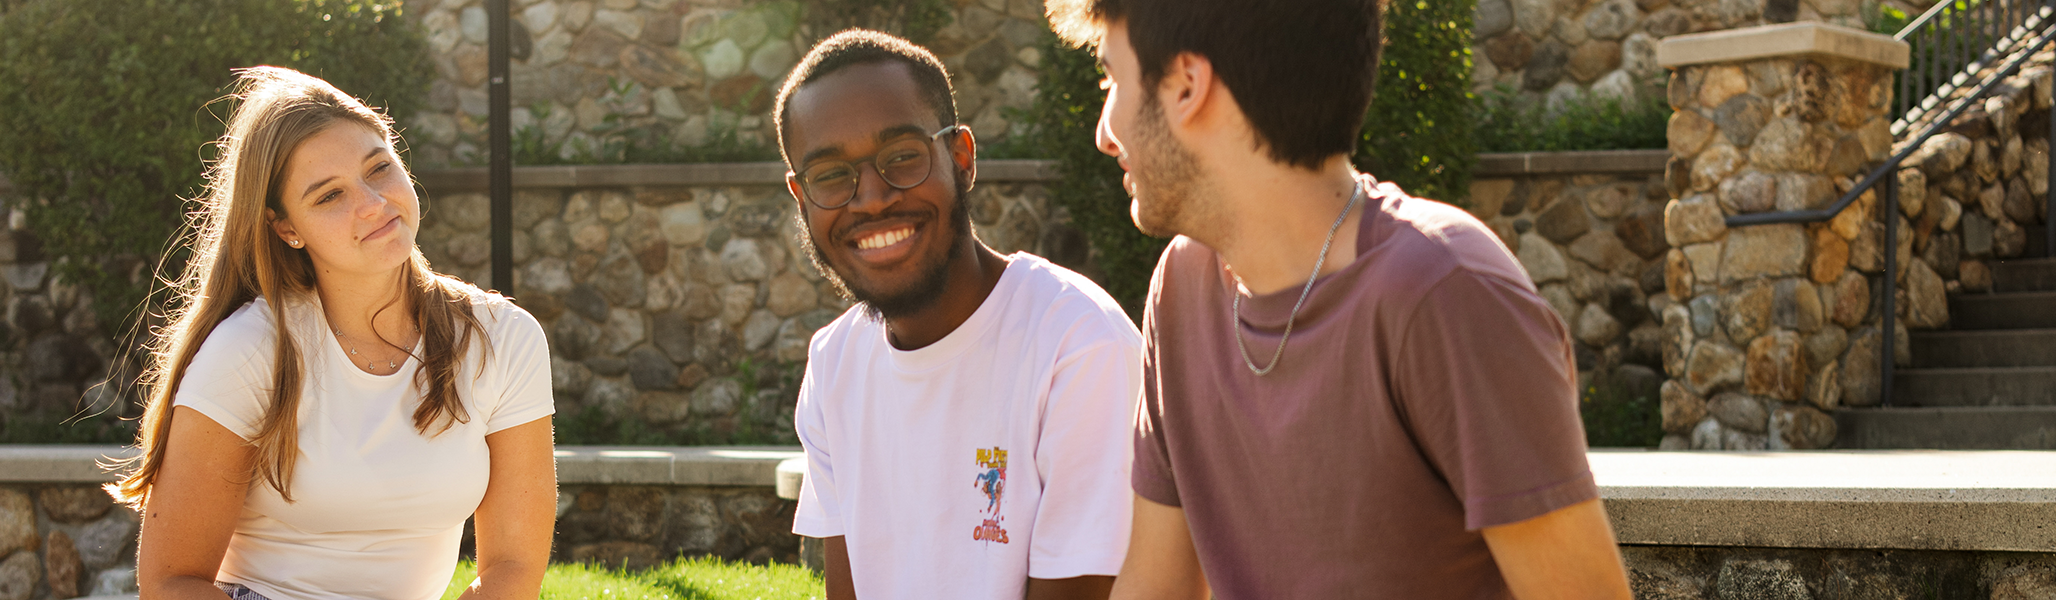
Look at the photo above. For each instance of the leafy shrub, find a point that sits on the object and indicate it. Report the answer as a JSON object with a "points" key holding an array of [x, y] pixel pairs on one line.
{"points": [[1417, 134], [107, 110], [1508, 122], [1418, 131], [1621, 410]]}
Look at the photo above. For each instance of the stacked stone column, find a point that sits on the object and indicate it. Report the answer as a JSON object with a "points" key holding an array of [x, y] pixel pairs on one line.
{"points": [[1767, 328]]}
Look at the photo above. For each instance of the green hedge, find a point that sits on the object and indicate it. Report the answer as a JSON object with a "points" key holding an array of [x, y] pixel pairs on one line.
{"points": [[1417, 134], [105, 105]]}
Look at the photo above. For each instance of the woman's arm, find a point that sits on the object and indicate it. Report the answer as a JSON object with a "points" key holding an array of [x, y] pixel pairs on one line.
{"points": [[519, 512], [191, 511]]}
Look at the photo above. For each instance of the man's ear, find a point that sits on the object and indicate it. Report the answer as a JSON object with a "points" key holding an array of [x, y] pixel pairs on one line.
{"points": [[964, 156], [1187, 88], [792, 184]]}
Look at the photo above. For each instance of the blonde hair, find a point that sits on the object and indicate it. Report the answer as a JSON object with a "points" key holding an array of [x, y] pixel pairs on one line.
{"points": [[236, 258]]}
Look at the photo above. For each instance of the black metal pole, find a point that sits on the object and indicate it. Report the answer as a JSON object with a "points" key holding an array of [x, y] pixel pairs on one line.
{"points": [[1888, 322], [2049, 216], [498, 36]]}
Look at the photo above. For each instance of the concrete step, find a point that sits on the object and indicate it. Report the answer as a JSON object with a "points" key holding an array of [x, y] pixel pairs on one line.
{"points": [[2010, 310], [1948, 428], [1975, 386], [1984, 348], [2030, 275]]}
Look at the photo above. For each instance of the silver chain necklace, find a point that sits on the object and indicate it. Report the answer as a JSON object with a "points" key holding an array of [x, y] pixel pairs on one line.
{"points": [[368, 364], [1236, 325]]}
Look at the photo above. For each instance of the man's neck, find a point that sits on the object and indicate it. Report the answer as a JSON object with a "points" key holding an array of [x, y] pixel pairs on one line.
{"points": [[971, 279], [1280, 217]]}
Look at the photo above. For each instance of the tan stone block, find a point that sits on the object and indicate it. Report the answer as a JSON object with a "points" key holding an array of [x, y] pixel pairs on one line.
{"points": [[1764, 251], [1714, 164], [1746, 311], [1929, 306], [1720, 82], [1488, 196], [1776, 366], [1688, 133], [1713, 366], [1851, 304], [1677, 275], [1801, 427], [1692, 220], [1830, 256], [1682, 410]]}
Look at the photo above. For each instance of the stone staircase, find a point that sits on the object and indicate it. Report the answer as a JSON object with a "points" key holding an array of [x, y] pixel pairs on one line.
{"points": [[1988, 382]]}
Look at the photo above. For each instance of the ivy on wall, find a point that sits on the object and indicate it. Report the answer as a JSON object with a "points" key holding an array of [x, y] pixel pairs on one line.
{"points": [[105, 105]]}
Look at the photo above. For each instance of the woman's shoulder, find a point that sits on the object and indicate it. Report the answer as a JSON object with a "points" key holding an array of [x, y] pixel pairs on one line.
{"points": [[498, 314]]}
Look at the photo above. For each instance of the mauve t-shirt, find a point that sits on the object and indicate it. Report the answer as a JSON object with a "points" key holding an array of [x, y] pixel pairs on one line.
{"points": [[1428, 392]]}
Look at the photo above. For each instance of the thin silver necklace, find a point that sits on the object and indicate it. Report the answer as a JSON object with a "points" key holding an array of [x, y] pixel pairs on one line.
{"points": [[1236, 325], [368, 364]]}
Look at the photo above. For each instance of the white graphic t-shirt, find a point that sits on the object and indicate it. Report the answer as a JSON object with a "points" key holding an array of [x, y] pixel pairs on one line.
{"points": [[997, 454]]}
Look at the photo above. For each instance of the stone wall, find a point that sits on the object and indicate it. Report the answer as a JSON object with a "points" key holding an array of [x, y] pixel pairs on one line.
{"points": [[687, 308], [1694, 573], [1591, 238], [1561, 49], [1976, 193], [63, 541], [641, 526], [692, 70], [1771, 325], [53, 353]]}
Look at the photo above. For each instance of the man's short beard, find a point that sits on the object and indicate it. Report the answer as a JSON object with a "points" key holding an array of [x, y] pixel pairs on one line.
{"points": [[1166, 172], [928, 284]]}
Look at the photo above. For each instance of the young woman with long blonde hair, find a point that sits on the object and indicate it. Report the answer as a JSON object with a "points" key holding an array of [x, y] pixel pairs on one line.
{"points": [[324, 411]]}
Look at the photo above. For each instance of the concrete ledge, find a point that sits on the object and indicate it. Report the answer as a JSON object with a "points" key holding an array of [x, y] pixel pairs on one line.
{"points": [[576, 465], [757, 173], [1910, 499], [1514, 164], [60, 463], [706, 465], [1787, 39], [1879, 499]]}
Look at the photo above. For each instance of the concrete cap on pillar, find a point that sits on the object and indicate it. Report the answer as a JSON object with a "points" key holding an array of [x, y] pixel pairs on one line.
{"points": [[1784, 39]]}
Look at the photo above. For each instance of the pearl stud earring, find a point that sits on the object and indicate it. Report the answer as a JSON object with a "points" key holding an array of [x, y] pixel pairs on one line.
{"points": [[294, 243]]}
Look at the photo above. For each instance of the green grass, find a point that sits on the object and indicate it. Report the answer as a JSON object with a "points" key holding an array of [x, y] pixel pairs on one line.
{"points": [[685, 579]]}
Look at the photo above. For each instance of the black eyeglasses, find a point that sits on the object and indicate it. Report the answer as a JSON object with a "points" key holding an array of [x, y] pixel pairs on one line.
{"points": [[830, 184]]}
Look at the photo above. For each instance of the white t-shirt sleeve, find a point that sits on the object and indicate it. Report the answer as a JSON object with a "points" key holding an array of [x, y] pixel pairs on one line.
{"points": [[523, 357], [819, 513], [230, 377], [1083, 456]]}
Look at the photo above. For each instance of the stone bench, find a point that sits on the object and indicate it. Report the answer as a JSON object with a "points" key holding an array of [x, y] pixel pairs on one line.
{"points": [[1686, 520]]}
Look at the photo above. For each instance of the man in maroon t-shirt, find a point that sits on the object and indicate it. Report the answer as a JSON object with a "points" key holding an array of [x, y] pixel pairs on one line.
{"points": [[1348, 392]]}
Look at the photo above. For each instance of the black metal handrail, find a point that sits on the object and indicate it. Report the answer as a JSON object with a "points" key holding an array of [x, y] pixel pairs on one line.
{"points": [[1953, 40], [2019, 53]]}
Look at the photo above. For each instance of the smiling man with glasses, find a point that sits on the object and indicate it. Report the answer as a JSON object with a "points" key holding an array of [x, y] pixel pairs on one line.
{"points": [[966, 423]]}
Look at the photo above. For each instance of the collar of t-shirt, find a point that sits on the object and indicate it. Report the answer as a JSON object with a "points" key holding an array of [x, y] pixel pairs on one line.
{"points": [[966, 335], [1270, 311]]}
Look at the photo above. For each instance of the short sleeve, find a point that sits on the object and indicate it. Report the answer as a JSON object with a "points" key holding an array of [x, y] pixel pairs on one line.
{"points": [[230, 377], [1485, 376], [819, 513], [1152, 477], [1082, 456], [523, 357]]}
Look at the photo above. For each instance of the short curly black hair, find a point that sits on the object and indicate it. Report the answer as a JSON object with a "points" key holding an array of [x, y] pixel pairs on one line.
{"points": [[863, 46]]}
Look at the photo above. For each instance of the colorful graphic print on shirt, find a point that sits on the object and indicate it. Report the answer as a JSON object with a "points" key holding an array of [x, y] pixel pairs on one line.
{"points": [[991, 481]]}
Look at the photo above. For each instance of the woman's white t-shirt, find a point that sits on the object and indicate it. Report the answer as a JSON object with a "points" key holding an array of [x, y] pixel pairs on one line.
{"points": [[378, 508]]}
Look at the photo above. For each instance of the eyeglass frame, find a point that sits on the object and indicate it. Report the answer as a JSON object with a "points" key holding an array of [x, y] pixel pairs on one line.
{"points": [[805, 193]]}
